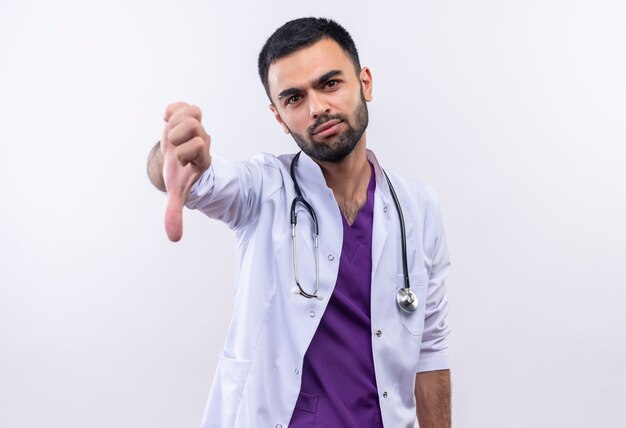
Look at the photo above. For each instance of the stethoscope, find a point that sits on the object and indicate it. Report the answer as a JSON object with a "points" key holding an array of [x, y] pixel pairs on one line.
{"points": [[406, 299]]}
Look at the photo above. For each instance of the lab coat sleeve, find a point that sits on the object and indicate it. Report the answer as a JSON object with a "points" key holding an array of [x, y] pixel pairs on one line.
{"points": [[434, 348], [233, 191]]}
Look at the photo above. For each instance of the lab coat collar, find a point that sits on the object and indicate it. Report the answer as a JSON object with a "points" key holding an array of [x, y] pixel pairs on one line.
{"points": [[381, 181], [307, 167], [310, 177]]}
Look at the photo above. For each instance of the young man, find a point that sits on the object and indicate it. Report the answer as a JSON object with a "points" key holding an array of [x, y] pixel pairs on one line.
{"points": [[325, 331]]}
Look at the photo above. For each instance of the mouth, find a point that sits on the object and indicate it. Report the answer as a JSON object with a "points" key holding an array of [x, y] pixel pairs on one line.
{"points": [[327, 128]]}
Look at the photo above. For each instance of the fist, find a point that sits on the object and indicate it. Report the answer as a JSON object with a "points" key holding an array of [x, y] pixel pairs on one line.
{"points": [[185, 147]]}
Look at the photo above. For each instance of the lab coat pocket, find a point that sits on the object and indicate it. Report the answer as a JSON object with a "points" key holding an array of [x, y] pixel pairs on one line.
{"points": [[231, 374], [413, 322]]}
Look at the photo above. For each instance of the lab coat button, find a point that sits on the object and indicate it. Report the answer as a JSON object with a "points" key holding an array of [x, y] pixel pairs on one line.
{"points": [[331, 257], [312, 314], [385, 394], [297, 371], [385, 209], [279, 425], [379, 333]]}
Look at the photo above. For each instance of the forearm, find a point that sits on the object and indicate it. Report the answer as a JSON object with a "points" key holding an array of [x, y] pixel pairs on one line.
{"points": [[155, 167], [432, 394]]}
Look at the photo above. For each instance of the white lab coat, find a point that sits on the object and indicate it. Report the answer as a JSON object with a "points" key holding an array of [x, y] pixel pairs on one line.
{"points": [[259, 372]]}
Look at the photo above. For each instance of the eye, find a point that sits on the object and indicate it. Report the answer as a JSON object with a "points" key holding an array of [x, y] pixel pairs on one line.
{"points": [[331, 83], [293, 99]]}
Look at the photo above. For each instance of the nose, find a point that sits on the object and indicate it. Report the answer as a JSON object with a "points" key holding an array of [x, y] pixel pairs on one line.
{"points": [[318, 106]]}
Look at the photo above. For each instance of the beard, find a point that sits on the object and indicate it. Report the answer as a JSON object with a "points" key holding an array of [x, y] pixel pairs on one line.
{"points": [[335, 150]]}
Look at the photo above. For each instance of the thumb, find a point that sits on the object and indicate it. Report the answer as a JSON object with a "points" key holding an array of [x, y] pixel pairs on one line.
{"points": [[174, 215]]}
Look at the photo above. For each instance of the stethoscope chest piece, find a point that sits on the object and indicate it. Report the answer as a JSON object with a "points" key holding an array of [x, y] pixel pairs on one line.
{"points": [[407, 300]]}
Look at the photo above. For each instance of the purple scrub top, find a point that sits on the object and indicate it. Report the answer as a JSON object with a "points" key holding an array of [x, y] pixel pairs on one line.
{"points": [[338, 379]]}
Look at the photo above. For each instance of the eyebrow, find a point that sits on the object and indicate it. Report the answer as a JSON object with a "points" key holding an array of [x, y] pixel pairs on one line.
{"points": [[317, 82]]}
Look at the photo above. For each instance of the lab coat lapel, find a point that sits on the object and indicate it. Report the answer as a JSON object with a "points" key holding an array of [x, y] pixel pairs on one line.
{"points": [[382, 210], [380, 228]]}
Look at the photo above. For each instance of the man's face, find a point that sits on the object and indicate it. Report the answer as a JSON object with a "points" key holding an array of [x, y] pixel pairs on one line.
{"points": [[320, 100]]}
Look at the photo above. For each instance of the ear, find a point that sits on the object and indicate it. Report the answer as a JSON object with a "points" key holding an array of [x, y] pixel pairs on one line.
{"points": [[366, 83], [278, 118]]}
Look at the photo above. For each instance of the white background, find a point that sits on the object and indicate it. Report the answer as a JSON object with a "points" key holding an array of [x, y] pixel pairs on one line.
{"points": [[513, 111]]}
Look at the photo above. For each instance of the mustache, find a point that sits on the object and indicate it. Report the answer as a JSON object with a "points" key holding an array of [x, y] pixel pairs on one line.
{"points": [[323, 119]]}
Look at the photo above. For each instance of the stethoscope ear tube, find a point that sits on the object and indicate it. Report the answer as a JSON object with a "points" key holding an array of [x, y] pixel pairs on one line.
{"points": [[292, 171]]}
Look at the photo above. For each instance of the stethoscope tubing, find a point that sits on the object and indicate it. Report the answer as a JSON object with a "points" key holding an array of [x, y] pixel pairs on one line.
{"points": [[405, 264], [407, 300]]}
